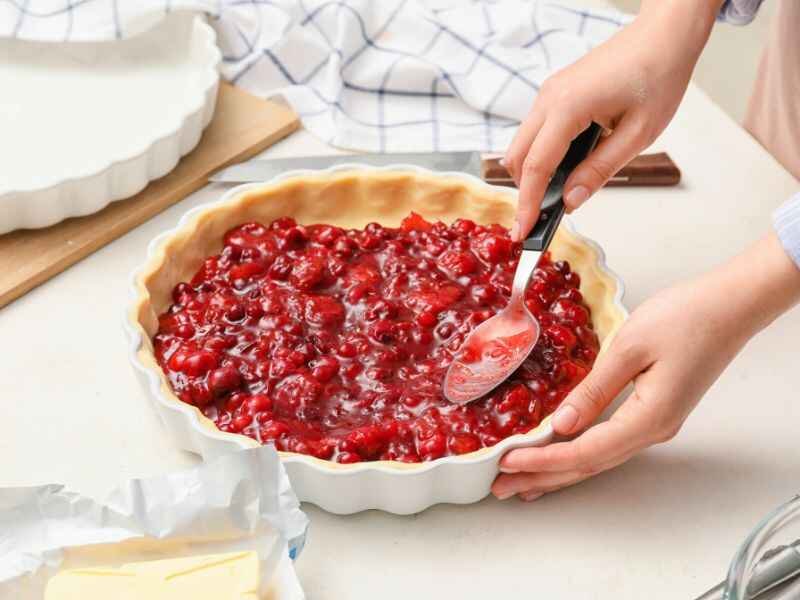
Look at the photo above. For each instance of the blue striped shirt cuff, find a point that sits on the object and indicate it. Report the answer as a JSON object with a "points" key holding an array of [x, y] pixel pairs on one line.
{"points": [[786, 221], [739, 12]]}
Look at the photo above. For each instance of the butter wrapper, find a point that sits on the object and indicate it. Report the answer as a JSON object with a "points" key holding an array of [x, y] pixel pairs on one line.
{"points": [[239, 502]]}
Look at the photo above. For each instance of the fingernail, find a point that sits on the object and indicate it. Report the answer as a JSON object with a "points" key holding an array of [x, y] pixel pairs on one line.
{"points": [[565, 419], [515, 232], [577, 196], [504, 495], [502, 162], [531, 497], [508, 470]]}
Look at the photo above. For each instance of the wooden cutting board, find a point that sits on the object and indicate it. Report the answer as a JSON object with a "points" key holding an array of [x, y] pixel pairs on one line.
{"points": [[243, 126]]}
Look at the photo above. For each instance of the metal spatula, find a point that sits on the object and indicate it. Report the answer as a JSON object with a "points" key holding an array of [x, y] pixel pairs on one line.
{"points": [[498, 346]]}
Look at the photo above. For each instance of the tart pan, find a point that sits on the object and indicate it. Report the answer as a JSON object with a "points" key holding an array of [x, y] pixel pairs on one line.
{"points": [[348, 196], [84, 124]]}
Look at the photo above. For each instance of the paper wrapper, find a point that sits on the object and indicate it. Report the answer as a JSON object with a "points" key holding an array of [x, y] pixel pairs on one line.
{"points": [[241, 501]]}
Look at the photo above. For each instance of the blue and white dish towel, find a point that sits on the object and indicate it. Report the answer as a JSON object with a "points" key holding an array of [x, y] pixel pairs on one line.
{"points": [[374, 75]]}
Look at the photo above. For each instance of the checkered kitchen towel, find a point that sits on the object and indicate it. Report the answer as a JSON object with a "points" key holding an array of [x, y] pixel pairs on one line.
{"points": [[375, 75]]}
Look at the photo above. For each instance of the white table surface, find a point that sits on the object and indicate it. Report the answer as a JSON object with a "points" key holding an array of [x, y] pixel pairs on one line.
{"points": [[662, 526]]}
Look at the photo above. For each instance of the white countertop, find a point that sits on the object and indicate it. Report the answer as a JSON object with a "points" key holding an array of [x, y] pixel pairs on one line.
{"points": [[662, 526]]}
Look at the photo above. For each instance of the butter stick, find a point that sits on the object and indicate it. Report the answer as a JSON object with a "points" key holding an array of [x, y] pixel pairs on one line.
{"points": [[233, 576]]}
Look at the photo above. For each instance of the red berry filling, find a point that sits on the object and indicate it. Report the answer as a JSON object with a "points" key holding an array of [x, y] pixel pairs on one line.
{"points": [[335, 342]]}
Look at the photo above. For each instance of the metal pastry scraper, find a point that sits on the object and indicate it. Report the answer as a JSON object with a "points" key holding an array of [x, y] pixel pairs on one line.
{"points": [[499, 345], [644, 170]]}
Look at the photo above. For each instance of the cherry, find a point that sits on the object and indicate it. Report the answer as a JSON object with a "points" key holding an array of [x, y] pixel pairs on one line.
{"points": [[308, 273], [483, 294], [348, 457], [427, 318], [281, 268], [462, 227], [323, 311], [415, 222], [445, 330], [347, 350], [199, 363], [293, 237], [324, 368], [182, 293], [343, 247], [382, 331], [561, 336], [462, 443], [200, 395], [224, 380], [327, 234], [239, 423], [370, 242], [433, 447], [259, 403], [381, 309], [570, 313], [458, 263], [278, 224], [494, 248], [246, 270]]}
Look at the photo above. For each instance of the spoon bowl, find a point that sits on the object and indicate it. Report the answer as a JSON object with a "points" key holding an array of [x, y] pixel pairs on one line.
{"points": [[498, 346]]}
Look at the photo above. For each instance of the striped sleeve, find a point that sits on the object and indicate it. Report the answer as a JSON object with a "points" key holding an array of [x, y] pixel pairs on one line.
{"points": [[786, 221], [739, 12]]}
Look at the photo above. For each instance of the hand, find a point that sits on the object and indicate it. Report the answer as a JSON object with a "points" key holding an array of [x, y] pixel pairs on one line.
{"points": [[631, 85], [673, 348]]}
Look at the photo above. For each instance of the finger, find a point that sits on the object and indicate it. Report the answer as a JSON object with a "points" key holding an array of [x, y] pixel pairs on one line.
{"points": [[596, 446], [609, 376], [522, 141], [533, 494], [530, 496], [507, 486], [546, 152], [611, 154], [547, 481]]}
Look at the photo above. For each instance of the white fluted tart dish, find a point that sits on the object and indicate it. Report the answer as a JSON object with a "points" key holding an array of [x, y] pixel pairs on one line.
{"points": [[319, 311], [88, 123]]}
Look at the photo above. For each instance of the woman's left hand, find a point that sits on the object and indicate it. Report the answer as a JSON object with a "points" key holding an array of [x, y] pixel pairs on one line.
{"points": [[672, 349]]}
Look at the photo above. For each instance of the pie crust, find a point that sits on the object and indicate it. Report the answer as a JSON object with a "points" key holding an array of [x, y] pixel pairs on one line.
{"points": [[348, 196]]}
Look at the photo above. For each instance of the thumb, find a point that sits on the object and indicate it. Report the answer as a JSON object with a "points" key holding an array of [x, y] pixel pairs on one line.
{"points": [[612, 372]]}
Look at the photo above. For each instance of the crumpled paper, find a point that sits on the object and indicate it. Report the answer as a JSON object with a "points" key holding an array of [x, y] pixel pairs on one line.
{"points": [[240, 501]]}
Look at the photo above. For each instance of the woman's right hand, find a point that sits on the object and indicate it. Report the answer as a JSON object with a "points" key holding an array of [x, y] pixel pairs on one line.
{"points": [[631, 85]]}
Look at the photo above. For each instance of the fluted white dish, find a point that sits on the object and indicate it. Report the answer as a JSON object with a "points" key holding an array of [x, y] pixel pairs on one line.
{"points": [[391, 486], [85, 124]]}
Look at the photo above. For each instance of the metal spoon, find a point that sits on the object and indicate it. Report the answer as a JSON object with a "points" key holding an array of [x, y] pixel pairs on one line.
{"points": [[498, 346]]}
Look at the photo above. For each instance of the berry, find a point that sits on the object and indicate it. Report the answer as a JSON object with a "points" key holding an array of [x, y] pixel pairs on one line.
{"points": [[414, 222], [457, 263], [223, 380], [463, 443]]}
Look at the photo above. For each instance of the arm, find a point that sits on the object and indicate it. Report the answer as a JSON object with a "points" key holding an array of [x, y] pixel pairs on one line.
{"points": [[672, 349], [632, 84]]}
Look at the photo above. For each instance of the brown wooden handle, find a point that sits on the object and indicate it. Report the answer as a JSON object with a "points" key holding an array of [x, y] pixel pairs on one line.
{"points": [[648, 169], [645, 170]]}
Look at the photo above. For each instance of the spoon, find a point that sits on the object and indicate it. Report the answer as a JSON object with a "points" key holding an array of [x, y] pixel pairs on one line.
{"points": [[498, 346]]}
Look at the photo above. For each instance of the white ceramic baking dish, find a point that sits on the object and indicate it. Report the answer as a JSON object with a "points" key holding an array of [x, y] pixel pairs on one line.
{"points": [[386, 485], [84, 124]]}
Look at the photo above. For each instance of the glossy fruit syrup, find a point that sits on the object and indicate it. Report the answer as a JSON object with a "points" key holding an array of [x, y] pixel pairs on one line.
{"points": [[335, 343]]}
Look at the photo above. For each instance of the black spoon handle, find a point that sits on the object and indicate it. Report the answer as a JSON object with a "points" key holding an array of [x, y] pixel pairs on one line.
{"points": [[553, 204]]}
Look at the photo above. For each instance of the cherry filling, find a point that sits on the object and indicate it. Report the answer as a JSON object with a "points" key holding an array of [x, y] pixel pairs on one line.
{"points": [[335, 343]]}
